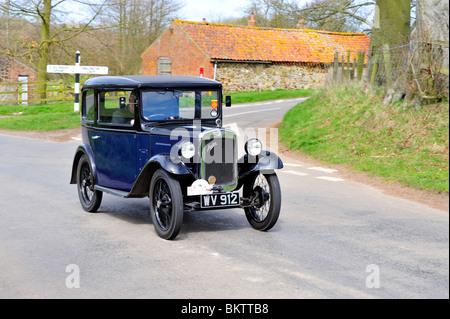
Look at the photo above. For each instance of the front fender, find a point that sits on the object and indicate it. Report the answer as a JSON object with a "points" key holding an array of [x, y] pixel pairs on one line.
{"points": [[141, 186], [83, 149], [165, 161], [267, 161]]}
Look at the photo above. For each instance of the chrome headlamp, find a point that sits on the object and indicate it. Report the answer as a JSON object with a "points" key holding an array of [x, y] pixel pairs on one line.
{"points": [[187, 150], [253, 147]]}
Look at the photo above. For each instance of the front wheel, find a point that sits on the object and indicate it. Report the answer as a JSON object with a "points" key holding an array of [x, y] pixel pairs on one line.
{"points": [[265, 194], [166, 204]]}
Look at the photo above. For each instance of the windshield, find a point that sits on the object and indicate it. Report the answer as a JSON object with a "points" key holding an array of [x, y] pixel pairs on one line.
{"points": [[173, 105]]}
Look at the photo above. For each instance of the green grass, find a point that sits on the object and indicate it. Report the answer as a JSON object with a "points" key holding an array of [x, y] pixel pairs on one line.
{"points": [[346, 125], [43, 117], [256, 96]]}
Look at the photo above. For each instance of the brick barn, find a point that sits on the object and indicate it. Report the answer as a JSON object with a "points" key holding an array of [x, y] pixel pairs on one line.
{"points": [[11, 68], [248, 58]]}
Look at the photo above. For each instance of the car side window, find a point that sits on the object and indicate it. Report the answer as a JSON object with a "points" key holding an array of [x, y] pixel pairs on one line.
{"points": [[88, 106], [117, 107]]}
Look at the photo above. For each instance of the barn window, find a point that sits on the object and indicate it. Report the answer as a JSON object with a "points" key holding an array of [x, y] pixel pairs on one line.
{"points": [[164, 66]]}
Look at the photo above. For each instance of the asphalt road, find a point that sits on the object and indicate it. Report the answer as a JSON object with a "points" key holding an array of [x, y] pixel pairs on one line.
{"points": [[335, 238]]}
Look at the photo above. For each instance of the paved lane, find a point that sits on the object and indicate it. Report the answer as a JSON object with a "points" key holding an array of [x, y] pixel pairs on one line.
{"points": [[335, 238]]}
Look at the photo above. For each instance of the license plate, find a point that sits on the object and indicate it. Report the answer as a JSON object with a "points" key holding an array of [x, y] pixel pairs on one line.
{"points": [[220, 200]]}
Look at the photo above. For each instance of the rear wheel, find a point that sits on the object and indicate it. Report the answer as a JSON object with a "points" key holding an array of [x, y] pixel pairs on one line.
{"points": [[90, 198], [265, 194], [166, 204]]}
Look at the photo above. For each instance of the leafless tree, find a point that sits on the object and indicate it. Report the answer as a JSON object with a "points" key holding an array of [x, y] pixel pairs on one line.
{"points": [[137, 23], [332, 15], [43, 15]]}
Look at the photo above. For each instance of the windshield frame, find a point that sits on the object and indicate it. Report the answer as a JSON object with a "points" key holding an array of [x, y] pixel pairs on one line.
{"points": [[197, 89]]}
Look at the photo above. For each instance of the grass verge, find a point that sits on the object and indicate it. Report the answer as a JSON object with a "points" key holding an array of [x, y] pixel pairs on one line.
{"points": [[347, 125], [43, 117]]}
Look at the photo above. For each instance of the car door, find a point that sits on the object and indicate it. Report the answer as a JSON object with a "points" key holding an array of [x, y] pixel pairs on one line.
{"points": [[114, 141]]}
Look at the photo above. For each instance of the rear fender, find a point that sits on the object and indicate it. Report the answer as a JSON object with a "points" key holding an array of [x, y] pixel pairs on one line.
{"points": [[83, 149]]}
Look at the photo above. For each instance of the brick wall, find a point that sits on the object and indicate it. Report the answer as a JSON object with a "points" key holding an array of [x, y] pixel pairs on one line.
{"points": [[186, 57], [10, 69]]}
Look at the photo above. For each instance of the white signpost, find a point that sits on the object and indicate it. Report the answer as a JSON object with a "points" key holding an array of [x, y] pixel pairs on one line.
{"points": [[72, 69], [77, 69]]}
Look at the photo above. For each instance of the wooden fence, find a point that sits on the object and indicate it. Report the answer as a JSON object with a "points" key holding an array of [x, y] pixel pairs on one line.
{"points": [[14, 93], [346, 68]]}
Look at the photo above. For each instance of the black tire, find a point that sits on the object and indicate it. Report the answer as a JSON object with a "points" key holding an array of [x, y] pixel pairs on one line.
{"points": [[263, 215], [90, 199], [166, 204]]}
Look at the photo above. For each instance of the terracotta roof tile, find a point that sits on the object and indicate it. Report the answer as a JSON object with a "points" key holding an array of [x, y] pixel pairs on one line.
{"points": [[239, 43]]}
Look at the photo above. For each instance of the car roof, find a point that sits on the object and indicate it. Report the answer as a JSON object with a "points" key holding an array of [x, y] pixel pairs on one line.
{"points": [[150, 81]]}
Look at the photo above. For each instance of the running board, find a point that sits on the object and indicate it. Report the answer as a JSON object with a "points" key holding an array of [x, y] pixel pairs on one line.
{"points": [[112, 191]]}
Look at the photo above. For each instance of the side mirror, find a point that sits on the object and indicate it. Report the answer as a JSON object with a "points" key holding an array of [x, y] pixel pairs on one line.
{"points": [[227, 101]]}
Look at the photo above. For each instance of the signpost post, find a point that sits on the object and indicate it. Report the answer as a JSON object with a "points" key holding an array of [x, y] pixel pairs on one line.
{"points": [[77, 69]]}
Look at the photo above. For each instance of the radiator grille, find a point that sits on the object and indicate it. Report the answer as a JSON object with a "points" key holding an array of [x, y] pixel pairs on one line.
{"points": [[219, 160]]}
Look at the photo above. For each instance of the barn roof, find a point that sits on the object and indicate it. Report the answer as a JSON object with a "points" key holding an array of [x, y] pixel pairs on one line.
{"points": [[241, 43]]}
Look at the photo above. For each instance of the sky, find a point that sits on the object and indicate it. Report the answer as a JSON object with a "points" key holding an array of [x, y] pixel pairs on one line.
{"points": [[196, 10]]}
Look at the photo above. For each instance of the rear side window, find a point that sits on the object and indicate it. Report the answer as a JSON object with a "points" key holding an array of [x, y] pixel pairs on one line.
{"points": [[88, 106], [117, 107]]}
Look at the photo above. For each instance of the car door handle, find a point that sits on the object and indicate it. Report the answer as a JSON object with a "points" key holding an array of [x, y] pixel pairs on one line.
{"points": [[96, 137]]}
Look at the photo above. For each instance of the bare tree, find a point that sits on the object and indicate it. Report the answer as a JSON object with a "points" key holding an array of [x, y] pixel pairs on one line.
{"points": [[42, 14], [332, 15], [271, 13], [335, 15], [137, 23]]}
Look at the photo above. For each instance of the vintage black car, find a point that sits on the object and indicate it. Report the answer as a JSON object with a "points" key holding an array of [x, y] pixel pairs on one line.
{"points": [[161, 137]]}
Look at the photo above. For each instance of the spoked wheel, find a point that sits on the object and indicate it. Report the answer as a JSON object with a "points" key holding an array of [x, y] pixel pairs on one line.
{"points": [[265, 194], [90, 199], [166, 204]]}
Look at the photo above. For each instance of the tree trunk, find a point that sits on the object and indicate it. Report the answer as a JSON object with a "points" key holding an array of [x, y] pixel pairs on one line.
{"points": [[389, 42], [43, 48], [395, 21], [431, 36]]}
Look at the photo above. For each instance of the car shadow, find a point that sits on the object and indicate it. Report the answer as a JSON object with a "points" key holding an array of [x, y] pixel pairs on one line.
{"points": [[136, 211], [214, 220]]}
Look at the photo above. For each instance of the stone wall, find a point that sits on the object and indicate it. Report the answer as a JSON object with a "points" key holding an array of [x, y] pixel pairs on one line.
{"points": [[237, 77]]}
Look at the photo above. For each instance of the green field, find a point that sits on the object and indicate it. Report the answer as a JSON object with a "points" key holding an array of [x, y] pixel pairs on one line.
{"points": [[347, 125]]}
